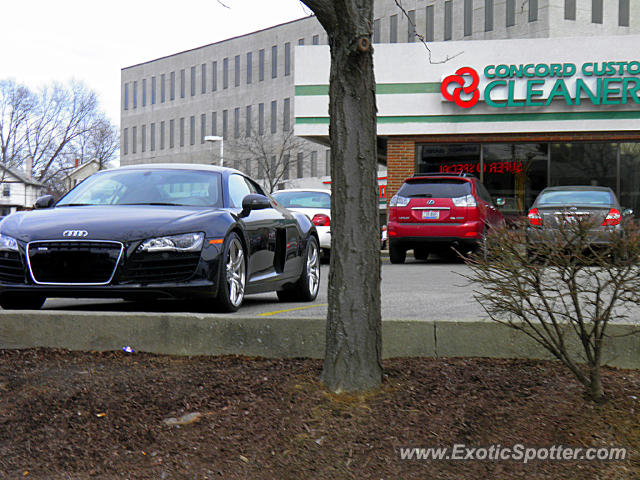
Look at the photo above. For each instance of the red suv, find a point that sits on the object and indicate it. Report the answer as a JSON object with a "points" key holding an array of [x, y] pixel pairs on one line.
{"points": [[434, 212]]}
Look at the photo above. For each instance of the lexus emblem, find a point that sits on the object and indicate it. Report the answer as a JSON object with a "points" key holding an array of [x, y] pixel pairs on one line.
{"points": [[75, 233], [431, 202]]}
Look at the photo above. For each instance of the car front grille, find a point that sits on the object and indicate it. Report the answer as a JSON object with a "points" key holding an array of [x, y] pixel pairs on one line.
{"points": [[73, 262], [158, 267], [11, 268]]}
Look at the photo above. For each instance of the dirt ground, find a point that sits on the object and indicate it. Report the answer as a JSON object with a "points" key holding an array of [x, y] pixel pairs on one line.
{"points": [[72, 415]]}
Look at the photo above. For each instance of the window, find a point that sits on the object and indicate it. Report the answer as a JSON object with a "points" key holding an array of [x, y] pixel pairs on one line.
{"points": [[225, 118], [182, 82], [411, 26], [162, 135], [135, 94], [152, 143], [214, 123], [623, 13], [203, 74], [203, 127], [238, 189], [144, 92], [488, 15], [274, 116], [314, 164], [162, 89], [214, 76], [236, 122], [393, 29], [125, 141], [193, 81], [301, 41], [286, 113], [569, 9], [287, 59], [315, 40], [286, 160], [430, 25], [153, 90], [261, 65], [248, 121], [192, 130], [236, 70], [299, 165], [376, 31], [143, 134], [596, 11], [126, 96], [533, 10], [468, 17], [261, 119], [274, 61], [249, 61], [182, 132], [448, 19], [134, 139], [511, 13], [172, 131], [172, 90], [6, 190], [225, 73]]}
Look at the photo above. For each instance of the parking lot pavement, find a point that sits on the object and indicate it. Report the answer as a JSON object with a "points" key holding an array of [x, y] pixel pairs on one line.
{"points": [[432, 290]]}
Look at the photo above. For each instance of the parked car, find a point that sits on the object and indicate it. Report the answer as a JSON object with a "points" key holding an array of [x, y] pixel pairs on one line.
{"points": [[435, 212], [556, 206], [316, 205], [150, 231]]}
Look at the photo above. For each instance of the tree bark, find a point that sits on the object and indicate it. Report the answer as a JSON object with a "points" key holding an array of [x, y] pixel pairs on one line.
{"points": [[353, 338]]}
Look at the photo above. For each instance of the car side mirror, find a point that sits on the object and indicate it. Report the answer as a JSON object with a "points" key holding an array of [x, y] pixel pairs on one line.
{"points": [[627, 212], [45, 202], [501, 202], [254, 201]]}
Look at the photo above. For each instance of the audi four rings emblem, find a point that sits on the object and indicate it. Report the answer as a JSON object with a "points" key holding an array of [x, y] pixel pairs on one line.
{"points": [[75, 233]]}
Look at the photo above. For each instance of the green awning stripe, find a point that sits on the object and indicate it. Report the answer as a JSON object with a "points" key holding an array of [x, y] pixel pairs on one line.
{"points": [[381, 88], [490, 117]]}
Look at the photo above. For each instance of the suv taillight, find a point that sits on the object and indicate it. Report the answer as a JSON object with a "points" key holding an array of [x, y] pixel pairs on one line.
{"points": [[466, 201], [534, 217], [321, 220], [613, 218], [398, 201]]}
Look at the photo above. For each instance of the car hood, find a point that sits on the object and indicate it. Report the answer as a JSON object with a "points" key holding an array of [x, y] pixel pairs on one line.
{"points": [[121, 223]]}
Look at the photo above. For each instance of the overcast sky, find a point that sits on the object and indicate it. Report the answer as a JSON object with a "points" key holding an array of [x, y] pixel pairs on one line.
{"points": [[47, 40]]}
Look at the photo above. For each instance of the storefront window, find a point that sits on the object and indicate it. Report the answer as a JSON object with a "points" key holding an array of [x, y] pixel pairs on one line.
{"points": [[584, 164], [448, 158], [516, 172], [630, 176]]}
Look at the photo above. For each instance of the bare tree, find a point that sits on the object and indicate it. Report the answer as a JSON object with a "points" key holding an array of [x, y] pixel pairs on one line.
{"points": [[274, 154], [353, 359], [100, 142], [16, 104], [562, 292]]}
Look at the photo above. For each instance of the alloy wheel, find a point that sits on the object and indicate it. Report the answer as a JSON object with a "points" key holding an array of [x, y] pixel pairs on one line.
{"points": [[235, 272]]}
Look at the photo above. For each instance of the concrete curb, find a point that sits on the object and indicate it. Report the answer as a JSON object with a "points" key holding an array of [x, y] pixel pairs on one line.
{"points": [[200, 334]]}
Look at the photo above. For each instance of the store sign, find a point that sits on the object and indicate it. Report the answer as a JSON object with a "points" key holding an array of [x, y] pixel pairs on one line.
{"points": [[538, 85], [493, 167]]}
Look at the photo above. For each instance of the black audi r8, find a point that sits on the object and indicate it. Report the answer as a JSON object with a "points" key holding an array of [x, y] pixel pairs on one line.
{"points": [[153, 231]]}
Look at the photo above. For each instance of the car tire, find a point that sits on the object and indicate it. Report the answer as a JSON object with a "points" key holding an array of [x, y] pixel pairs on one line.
{"points": [[397, 254], [307, 287], [233, 274], [22, 302], [420, 253]]}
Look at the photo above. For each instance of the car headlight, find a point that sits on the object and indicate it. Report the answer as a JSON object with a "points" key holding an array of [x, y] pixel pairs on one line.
{"points": [[187, 242], [8, 243]]}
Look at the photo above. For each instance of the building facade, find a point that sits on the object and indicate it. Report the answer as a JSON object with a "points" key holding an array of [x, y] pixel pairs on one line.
{"points": [[242, 89], [18, 191]]}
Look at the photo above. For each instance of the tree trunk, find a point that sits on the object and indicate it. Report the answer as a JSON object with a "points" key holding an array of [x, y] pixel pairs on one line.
{"points": [[595, 384], [353, 340]]}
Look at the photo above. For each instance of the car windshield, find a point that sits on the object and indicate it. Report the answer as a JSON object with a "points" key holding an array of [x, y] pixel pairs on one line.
{"points": [[147, 187], [436, 188], [576, 197], [303, 199]]}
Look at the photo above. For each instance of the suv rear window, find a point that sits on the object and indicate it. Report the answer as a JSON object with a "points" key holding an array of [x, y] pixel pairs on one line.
{"points": [[436, 188]]}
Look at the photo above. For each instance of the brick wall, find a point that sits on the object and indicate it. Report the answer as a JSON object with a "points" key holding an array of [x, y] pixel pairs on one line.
{"points": [[401, 161]]}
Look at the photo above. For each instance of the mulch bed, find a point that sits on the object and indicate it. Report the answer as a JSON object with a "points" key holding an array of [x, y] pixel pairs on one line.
{"points": [[73, 415]]}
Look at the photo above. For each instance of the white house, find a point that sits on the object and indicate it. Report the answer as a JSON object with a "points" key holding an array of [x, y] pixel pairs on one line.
{"points": [[17, 190], [80, 172]]}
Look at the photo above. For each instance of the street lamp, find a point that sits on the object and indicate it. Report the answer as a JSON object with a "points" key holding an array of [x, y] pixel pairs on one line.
{"points": [[216, 138]]}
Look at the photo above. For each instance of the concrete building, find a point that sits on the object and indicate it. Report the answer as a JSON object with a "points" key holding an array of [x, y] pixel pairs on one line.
{"points": [[243, 88]]}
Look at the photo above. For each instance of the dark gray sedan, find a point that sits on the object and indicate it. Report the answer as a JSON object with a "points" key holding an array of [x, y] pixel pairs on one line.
{"points": [[557, 208]]}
